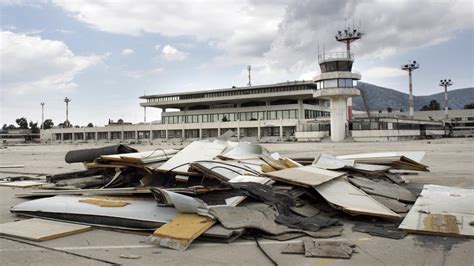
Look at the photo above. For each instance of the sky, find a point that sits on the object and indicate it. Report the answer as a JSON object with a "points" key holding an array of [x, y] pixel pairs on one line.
{"points": [[104, 54]]}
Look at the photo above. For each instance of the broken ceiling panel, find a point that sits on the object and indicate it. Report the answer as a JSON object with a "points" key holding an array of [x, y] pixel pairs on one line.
{"points": [[306, 176], [350, 199], [442, 210]]}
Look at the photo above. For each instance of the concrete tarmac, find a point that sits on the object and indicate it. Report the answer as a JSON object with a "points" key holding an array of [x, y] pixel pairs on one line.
{"points": [[451, 163]]}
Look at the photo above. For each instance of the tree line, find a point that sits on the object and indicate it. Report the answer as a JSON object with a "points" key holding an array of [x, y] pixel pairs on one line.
{"points": [[22, 123]]}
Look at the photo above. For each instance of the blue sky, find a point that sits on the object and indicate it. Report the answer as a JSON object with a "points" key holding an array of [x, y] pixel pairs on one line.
{"points": [[105, 54]]}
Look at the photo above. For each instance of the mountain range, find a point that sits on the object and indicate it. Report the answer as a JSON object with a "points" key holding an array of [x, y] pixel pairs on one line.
{"points": [[379, 98]]}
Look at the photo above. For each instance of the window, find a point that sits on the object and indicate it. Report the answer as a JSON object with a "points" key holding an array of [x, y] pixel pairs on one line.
{"points": [[330, 83]]}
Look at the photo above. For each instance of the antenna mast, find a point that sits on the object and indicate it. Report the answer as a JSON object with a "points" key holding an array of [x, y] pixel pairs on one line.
{"points": [[249, 69]]}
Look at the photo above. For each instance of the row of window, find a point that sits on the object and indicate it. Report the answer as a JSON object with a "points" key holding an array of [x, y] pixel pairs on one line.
{"points": [[225, 117], [235, 92], [312, 114], [335, 83]]}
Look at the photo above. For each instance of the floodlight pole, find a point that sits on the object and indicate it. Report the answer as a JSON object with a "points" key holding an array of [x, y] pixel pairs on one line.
{"points": [[42, 114], [445, 83], [347, 36], [410, 67], [67, 101]]}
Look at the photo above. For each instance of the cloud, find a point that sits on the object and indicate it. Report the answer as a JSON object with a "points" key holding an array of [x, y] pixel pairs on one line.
{"points": [[127, 51], [31, 64], [172, 54], [282, 36], [137, 74]]}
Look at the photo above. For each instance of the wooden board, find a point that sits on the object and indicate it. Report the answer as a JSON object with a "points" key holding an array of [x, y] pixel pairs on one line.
{"points": [[41, 229], [350, 199], [442, 210], [306, 176], [182, 230]]}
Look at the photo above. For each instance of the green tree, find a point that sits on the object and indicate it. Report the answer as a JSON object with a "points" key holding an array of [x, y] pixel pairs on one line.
{"points": [[48, 123], [4, 127], [433, 106], [469, 106], [389, 109], [34, 127], [22, 123], [90, 125]]}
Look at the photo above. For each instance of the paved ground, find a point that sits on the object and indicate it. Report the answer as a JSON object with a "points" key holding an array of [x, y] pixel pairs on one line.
{"points": [[451, 162]]}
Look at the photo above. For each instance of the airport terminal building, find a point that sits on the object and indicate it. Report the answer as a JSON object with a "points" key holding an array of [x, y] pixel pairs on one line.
{"points": [[288, 111]]}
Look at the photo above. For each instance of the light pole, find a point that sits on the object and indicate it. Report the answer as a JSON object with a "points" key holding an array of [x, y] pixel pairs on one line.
{"points": [[67, 101], [445, 83], [42, 114], [410, 67]]}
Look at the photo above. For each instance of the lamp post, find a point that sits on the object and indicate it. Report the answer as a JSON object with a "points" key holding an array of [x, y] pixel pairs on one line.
{"points": [[42, 114], [410, 67], [445, 83], [67, 101]]}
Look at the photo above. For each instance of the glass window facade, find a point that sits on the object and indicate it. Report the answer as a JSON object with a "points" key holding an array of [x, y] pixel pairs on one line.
{"points": [[226, 117]]}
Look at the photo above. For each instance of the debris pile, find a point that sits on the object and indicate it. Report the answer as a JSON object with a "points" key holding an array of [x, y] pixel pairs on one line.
{"points": [[221, 190]]}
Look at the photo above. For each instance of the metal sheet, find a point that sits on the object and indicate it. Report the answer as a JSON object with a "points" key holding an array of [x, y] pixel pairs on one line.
{"points": [[242, 151], [330, 162], [144, 210], [350, 199], [196, 151], [442, 210]]}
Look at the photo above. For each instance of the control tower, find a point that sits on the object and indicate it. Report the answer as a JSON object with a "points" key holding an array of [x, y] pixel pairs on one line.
{"points": [[336, 83]]}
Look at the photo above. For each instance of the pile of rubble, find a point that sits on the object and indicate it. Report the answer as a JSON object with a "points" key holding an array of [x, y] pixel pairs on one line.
{"points": [[222, 190]]}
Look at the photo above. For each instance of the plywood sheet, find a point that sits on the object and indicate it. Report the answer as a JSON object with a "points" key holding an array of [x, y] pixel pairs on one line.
{"points": [[350, 199], [442, 210], [182, 230], [41, 229], [306, 176]]}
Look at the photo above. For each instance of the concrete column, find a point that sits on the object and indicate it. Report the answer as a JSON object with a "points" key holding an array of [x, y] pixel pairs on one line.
{"points": [[183, 136], [281, 129], [109, 135], [121, 135], [349, 108], [338, 118], [96, 136], [200, 131], [73, 136], [166, 134], [219, 130], [151, 135], [258, 130], [238, 130], [62, 137], [300, 109], [136, 135]]}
